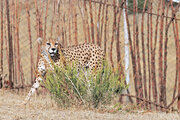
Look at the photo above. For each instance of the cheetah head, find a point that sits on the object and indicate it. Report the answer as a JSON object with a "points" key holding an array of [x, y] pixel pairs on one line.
{"points": [[51, 45]]}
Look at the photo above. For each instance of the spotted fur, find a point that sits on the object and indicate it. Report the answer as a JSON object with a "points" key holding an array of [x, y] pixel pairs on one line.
{"points": [[88, 56]]}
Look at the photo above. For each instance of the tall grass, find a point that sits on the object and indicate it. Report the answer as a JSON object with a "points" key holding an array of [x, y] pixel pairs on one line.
{"points": [[69, 86]]}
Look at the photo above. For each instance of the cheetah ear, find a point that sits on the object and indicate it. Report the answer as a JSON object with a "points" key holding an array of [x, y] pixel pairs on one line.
{"points": [[59, 42], [58, 39], [60, 46], [39, 40]]}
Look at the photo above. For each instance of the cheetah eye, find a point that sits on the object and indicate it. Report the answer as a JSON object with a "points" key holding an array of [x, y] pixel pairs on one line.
{"points": [[56, 43], [48, 44]]}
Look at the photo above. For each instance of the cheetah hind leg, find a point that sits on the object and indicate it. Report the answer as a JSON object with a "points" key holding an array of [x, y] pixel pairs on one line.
{"points": [[87, 72]]}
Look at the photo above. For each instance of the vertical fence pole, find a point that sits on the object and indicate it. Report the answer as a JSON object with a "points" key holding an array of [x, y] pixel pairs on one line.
{"points": [[113, 34], [126, 47], [143, 52], [177, 47], [10, 46], [38, 27], [92, 24], [30, 40], [17, 40], [102, 23], [140, 87], [176, 34], [87, 23], [45, 19], [148, 55], [118, 50], [132, 54], [1, 66], [161, 80], [105, 29], [98, 25], [153, 53], [14, 38], [52, 21], [75, 22], [165, 53], [176, 78]]}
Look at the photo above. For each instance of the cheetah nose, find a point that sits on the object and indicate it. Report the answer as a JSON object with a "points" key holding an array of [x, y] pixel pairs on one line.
{"points": [[53, 49]]}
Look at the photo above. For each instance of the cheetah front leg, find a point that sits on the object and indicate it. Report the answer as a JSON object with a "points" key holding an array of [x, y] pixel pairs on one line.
{"points": [[39, 78], [43, 64], [33, 89]]}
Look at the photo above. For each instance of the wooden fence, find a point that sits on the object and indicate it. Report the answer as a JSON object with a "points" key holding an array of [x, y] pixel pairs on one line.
{"points": [[153, 38]]}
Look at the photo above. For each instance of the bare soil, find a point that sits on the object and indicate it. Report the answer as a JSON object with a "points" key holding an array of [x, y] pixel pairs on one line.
{"points": [[43, 108]]}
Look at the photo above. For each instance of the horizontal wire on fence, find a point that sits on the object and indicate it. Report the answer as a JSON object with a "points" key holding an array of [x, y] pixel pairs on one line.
{"points": [[107, 4], [139, 9]]}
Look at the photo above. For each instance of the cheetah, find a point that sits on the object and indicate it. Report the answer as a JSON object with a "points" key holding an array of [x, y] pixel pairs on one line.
{"points": [[87, 55]]}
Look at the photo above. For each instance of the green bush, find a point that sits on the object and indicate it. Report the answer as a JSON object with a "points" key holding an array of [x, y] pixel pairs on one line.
{"points": [[140, 5], [69, 87]]}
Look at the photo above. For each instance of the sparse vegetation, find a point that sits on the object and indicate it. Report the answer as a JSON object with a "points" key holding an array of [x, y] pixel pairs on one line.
{"points": [[70, 87]]}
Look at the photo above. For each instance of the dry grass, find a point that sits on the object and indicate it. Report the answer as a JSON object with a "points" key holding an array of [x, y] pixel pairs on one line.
{"points": [[25, 55], [42, 108]]}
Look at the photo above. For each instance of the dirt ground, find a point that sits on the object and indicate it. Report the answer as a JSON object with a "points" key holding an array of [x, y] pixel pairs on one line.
{"points": [[43, 108]]}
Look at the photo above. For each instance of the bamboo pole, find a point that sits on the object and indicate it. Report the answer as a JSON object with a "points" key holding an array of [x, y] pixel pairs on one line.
{"points": [[30, 41], [10, 46], [177, 46], [162, 99], [81, 9], [105, 30], [69, 23], [41, 11], [102, 23], [2, 42], [52, 21], [165, 53], [153, 54], [143, 53], [57, 18], [98, 25], [92, 23], [38, 28], [139, 80], [87, 23], [14, 42], [62, 26], [17, 40], [45, 18], [118, 50], [11, 30], [75, 22], [95, 23], [176, 78], [113, 34], [6, 42], [148, 51]]}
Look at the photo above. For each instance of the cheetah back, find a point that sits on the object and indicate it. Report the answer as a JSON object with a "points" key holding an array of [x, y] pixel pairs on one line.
{"points": [[86, 55]]}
